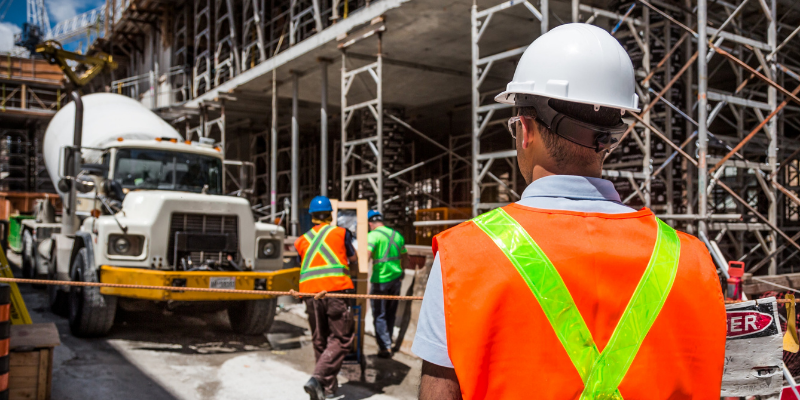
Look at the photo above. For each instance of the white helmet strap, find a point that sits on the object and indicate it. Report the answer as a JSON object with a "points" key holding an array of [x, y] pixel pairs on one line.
{"points": [[595, 137]]}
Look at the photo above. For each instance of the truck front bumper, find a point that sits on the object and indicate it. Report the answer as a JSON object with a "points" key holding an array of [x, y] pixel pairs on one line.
{"points": [[281, 280]]}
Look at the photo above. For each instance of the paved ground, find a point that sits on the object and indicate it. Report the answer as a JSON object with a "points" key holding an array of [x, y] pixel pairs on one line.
{"points": [[186, 354]]}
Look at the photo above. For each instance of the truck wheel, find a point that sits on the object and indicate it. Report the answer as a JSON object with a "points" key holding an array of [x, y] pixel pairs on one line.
{"points": [[56, 297], [28, 255], [252, 317], [90, 313]]}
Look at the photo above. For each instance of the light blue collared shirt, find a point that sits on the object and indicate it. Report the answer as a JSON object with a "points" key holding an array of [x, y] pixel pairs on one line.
{"points": [[555, 192]]}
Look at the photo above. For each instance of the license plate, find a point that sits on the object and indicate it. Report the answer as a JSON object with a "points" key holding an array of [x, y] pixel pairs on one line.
{"points": [[225, 282]]}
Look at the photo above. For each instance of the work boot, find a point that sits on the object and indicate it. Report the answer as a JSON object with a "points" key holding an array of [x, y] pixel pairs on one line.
{"points": [[385, 353], [314, 389]]}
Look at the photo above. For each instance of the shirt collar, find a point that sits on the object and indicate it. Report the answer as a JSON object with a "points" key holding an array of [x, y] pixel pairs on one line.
{"points": [[572, 187]]}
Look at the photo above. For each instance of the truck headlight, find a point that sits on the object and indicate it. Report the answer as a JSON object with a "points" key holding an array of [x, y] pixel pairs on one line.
{"points": [[268, 249], [125, 245]]}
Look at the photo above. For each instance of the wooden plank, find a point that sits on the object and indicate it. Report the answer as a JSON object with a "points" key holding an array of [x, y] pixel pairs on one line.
{"points": [[44, 370], [24, 359], [22, 394], [30, 370], [49, 382], [752, 287], [34, 336], [22, 382]]}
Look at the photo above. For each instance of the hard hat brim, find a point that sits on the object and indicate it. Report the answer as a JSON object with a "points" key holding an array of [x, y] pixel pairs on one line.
{"points": [[508, 97]]}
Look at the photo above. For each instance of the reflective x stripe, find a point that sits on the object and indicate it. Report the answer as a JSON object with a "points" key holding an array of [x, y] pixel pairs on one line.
{"points": [[317, 241], [323, 272], [332, 267], [600, 372], [392, 243]]}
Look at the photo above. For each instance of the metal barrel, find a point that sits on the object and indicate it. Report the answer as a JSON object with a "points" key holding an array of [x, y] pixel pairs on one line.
{"points": [[5, 334]]}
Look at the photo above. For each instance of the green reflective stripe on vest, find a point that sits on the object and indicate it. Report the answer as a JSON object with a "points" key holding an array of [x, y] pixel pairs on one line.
{"points": [[332, 267], [601, 372], [318, 239], [639, 316], [392, 245], [323, 272], [546, 285]]}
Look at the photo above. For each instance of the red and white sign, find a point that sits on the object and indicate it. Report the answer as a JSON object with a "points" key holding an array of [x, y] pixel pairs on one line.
{"points": [[742, 323], [788, 394]]}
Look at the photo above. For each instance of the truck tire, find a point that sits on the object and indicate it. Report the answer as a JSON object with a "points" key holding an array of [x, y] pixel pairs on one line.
{"points": [[28, 255], [253, 317], [90, 313], [56, 298]]}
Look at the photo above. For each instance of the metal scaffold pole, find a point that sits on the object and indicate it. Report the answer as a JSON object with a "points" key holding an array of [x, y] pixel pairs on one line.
{"points": [[476, 190], [323, 130], [702, 116], [295, 194], [772, 127], [379, 117], [273, 148]]}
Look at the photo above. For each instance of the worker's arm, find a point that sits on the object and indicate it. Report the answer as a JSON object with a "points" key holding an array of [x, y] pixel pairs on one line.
{"points": [[405, 261], [438, 383]]}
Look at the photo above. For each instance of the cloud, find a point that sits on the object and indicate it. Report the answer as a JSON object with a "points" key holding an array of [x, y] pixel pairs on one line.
{"points": [[65, 9], [7, 32]]}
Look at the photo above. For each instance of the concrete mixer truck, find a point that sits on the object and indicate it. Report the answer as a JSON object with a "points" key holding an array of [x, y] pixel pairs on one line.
{"points": [[144, 206]]}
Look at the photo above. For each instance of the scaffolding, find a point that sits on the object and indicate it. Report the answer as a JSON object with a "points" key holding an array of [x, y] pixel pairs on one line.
{"points": [[713, 151]]}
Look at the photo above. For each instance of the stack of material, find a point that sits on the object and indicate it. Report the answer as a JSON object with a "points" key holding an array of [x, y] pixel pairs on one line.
{"points": [[394, 159], [14, 161]]}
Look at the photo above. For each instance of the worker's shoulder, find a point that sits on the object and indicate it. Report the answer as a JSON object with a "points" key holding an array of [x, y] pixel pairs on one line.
{"points": [[458, 231], [690, 242]]}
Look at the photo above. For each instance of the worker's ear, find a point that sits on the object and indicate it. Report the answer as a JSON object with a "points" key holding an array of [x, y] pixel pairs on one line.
{"points": [[529, 129]]}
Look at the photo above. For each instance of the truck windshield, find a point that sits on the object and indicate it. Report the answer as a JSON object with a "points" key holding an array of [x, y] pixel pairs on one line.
{"points": [[167, 170]]}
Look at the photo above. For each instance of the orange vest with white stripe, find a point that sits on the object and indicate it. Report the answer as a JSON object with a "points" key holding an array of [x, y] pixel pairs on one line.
{"points": [[324, 260], [503, 346]]}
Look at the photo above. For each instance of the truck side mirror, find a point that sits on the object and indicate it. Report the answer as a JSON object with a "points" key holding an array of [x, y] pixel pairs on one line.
{"points": [[113, 189], [84, 184]]}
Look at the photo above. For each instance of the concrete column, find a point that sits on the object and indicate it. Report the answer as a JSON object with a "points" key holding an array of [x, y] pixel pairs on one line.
{"points": [[295, 156], [702, 115]]}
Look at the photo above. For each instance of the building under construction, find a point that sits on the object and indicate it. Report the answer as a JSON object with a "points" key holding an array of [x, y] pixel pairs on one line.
{"points": [[392, 101]]}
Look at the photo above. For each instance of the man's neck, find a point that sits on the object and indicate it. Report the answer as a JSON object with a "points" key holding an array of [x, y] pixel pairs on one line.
{"points": [[541, 172]]}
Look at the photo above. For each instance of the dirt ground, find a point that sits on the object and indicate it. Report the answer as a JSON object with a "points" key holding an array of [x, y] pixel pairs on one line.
{"points": [[186, 354]]}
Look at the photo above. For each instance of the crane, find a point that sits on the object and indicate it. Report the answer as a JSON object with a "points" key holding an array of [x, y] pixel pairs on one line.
{"points": [[37, 26], [53, 52]]}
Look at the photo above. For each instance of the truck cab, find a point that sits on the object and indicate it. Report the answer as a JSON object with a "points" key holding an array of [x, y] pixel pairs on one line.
{"points": [[153, 211]]}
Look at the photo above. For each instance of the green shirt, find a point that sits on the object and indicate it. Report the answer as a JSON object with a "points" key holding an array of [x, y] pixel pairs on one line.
{"points": [[386, 245]]}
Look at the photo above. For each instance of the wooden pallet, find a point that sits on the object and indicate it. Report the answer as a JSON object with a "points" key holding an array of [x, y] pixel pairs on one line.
{"points": [[31, 361]]}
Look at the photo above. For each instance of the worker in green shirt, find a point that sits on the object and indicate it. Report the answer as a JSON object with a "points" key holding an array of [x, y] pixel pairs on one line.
{"points": [[388, 251]]}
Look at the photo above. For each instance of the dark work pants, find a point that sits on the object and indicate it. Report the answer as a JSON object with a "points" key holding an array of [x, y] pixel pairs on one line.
{"points": [[384, 311], [332, 335]]}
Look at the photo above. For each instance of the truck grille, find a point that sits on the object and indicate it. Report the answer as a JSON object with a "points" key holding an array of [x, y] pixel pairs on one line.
{"points": [[201, 223]]}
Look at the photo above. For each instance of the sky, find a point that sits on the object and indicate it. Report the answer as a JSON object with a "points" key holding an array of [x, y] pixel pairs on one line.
{"points": [[16, 14]]}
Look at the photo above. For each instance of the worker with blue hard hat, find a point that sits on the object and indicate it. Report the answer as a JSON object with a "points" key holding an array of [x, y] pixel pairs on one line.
{"points": [[387, 248], [326, 252]]}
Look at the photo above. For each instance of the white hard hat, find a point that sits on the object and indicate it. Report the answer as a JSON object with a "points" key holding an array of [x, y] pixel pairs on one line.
{"points": [[576, 62]]}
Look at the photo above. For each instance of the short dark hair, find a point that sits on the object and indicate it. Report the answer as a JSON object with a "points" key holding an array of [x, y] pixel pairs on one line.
{"points": [[562, 150], [321, 216]]}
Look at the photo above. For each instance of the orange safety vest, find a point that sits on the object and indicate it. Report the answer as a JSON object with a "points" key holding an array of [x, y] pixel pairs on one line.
{"points": [[324, 260], [503, 346]]}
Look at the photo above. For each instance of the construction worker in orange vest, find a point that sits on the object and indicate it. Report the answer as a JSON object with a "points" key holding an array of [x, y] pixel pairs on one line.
{"points": [[325, 253], [568, 293]]}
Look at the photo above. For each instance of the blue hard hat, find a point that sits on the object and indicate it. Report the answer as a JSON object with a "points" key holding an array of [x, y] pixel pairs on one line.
{"points": [[320, 204], [374, 213]]}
